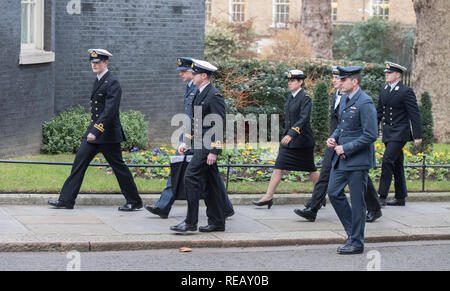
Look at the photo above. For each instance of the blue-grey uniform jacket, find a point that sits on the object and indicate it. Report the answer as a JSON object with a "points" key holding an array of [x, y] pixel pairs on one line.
{"points": [[356, 132]]}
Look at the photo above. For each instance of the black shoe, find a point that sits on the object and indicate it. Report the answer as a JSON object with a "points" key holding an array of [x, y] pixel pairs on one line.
{"points": [[373, 215], [269, 203], [383, 202], [307, 213], [156, 211], [396, 202], [211, 228], [229, 214], [130, 207], [350, 250], [347, 242], [184, 227], [59, 204]]}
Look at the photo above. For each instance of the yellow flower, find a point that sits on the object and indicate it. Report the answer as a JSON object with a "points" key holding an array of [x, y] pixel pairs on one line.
{"points": [[143, 153], [155, 158], [165, 163], [272, 162], [442, 154], [167, 170], [259, 173], [96, 159], [173, 152], [253, 157]]}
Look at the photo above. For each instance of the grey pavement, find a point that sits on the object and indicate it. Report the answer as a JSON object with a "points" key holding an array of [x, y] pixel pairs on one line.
{"points": [[398, 256], [104, 228]]}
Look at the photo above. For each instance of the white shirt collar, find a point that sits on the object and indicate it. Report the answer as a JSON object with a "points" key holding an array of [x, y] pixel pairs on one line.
{"points": [[99, 77], [338, 99], [203, 88], [296, 92], [393, 85], [190, 83]]}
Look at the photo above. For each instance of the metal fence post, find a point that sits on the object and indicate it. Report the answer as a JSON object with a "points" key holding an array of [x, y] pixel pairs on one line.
{"points": [[228, 170], [423, 173]]}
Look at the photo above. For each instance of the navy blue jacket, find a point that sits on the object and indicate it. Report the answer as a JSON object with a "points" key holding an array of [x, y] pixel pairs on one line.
{"points": [[356, 132], [397, 111], [105, 103]]}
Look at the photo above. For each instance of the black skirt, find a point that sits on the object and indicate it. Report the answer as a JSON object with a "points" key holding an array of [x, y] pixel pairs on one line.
{"points": [[295, 159]]}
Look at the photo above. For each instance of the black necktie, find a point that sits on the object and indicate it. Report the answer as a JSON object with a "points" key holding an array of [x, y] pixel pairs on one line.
{"points": [[347, 99]]}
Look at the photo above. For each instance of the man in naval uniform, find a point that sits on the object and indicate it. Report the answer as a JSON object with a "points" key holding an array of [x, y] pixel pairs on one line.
{"points": [[103, 135], [165, 202], [205, 142], [398, 112]]}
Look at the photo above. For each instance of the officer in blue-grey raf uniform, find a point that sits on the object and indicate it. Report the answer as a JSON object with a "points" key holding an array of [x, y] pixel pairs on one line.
{"points": [[205, 144], [398, 112], [165, 202], [103, 135], [354, 155]]}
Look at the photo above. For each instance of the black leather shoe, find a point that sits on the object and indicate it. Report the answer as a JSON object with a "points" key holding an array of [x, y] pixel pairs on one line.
{"points": [[229, 214], [350, 250], [306, 213], [373, 215], [184, 227], [382, 202], [59, 204], [269, 203], [347, 242], [130, 207], [396, 202], [211, 228], [156, 211]]}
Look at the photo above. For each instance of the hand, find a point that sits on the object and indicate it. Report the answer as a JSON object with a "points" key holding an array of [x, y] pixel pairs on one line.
{"points": [[212, 158], [417, 142], [339, 150], [91, 137], [287, 139], [331, 143], [182, 148]]}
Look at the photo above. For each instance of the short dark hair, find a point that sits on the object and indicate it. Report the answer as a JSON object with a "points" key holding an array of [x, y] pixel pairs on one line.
{"points": [[357, 77]]}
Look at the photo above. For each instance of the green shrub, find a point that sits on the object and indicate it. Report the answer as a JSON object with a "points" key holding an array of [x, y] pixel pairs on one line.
{"points": [[135, 128], [320, 117], [260, 87], [427, 126], [63, 133]]}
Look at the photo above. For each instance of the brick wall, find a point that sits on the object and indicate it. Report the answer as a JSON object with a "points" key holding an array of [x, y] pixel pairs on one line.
{"points": [[145, 37], [26, 92]]}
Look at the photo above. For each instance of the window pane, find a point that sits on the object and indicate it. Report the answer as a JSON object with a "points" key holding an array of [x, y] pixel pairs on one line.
{"points": [[25, 19], [28, 21]]}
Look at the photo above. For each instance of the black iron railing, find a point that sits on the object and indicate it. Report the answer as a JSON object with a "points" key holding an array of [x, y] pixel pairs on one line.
{"points": [[423, 166]]}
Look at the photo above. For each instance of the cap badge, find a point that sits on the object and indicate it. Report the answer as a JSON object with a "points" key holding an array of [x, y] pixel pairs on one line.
{"points": [[192, 66], [289, 75], [94, 54], [388, 66], [180, 62]]}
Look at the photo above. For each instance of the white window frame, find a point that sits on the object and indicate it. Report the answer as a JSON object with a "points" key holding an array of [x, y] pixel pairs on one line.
{"points": [[208, 11], [334, 8], [33, 53], [375, 4], [275, 13], [242, 3]]}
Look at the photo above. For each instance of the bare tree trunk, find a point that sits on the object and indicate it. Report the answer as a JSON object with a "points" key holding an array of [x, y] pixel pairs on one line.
{"points": [[315, 22], [431, 62]]}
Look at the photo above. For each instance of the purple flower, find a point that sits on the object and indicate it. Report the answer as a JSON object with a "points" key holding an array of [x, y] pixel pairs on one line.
{"points": [[135, 149], [134, 160]]}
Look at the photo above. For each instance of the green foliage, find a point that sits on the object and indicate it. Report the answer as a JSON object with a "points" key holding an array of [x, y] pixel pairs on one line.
{"points": [[135, 129], [320, 118], [375, 41], [427, 125], [260, 87], [63, 133], [220, 43]]}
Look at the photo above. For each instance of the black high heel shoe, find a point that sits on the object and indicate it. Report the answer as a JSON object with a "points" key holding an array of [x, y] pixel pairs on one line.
{"points": [[269, 203]]}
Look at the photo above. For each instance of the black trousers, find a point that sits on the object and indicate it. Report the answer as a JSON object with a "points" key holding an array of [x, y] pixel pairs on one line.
{"points": [[214, 200], [113, 154], [393, 165], [320, 189]]}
